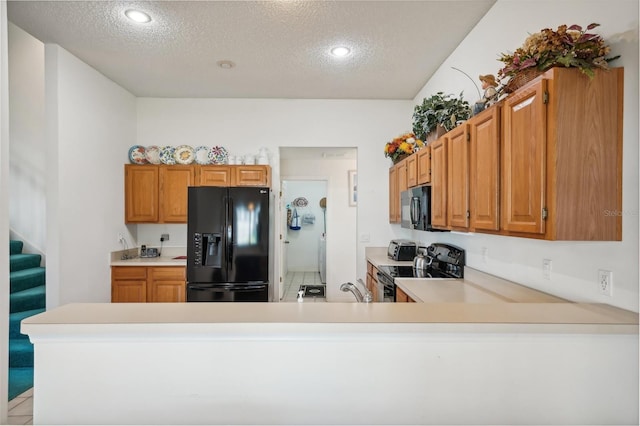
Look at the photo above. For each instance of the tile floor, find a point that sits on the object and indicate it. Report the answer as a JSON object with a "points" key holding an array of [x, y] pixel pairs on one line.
{"points": [[21, 409], [293, 281]]}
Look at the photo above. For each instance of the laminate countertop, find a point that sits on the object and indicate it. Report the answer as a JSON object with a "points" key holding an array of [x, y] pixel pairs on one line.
{"points": [[479, 303], [150, 261], [171, 256], [484, 298]]}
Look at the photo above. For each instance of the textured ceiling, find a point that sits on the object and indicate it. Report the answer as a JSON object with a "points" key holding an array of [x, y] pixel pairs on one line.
{"points": [[280, 48]]}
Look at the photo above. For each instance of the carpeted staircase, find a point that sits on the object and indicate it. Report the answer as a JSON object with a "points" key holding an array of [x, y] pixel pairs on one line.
{"points": [[27, 280]]}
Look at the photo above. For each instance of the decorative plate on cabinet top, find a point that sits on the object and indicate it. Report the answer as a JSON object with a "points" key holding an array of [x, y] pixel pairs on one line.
{"points": [[218, 155], [166, 155], [152, 154], [137, 155], [202, 155], [184, 154]]}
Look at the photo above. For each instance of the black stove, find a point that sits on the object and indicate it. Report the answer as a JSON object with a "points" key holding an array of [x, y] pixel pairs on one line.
{"points": [[446, 261], [411, 272]]}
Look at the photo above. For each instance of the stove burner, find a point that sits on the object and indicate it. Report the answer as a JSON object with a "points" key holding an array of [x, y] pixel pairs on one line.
{"points": [[410, 272]]}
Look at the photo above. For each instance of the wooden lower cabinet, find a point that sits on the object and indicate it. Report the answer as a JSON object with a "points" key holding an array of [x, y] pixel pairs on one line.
{"points": [[402, 297], [166, 284], [372, 282], [128, 284], [140, 284]]}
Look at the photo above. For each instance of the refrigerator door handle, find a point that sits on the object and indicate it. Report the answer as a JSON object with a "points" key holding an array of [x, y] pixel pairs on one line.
{"points": [[230, 233]]}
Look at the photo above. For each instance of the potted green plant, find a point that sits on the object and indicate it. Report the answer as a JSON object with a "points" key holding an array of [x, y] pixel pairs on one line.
{"points": [[439, 110]]}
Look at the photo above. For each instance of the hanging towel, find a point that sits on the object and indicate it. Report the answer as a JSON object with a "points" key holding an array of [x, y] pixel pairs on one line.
{"points": [[295, 220], [308, 218]]}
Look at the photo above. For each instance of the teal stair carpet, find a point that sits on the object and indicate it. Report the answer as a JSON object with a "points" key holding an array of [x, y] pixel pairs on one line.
{"points": [[27, 281]]}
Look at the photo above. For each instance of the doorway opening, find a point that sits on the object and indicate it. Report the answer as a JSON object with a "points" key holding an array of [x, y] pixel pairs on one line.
{"points": [[304, 234], [317, 221]]}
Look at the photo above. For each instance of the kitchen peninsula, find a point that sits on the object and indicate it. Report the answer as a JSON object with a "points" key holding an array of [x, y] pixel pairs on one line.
{"points": [[335, 363]]}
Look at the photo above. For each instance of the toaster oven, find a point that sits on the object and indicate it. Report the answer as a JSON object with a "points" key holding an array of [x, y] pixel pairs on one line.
{"points": [[401, 250]]}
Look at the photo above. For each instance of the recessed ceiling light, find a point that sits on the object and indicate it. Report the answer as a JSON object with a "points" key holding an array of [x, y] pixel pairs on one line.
{"points": [[340, 51], [137, 16], [226, 64]]}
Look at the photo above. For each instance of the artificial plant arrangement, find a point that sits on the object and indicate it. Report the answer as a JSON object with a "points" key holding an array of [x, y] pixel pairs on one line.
{"points": [[439, 109], [566, 47], [402, 146]]}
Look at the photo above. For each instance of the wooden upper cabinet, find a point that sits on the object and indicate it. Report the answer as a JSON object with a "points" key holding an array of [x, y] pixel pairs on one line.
{"points": [[240, 175], [424, 165], [458, 178], [412, 170], [394, 196], [141, 193], [561, 171], [402, 177], [214, 176], [250, 175], [523, 160], [484, 170], [174, 181], [545, 162], [439, 183], [584, 155], [158, 193]]}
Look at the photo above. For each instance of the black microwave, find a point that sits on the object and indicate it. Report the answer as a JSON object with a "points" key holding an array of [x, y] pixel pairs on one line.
{"points": [[415, 209]]}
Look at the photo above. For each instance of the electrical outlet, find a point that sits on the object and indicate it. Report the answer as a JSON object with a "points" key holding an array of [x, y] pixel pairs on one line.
{"points": [[605, 282], [164, 237], [546, 269], [120, 238], [485, 254]]}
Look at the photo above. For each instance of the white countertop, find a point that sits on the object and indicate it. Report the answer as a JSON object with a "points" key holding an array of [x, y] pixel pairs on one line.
{"points": [[171, 318], [150, 261], [172, 256], [476, 287], [480, 302], [378, 257]]}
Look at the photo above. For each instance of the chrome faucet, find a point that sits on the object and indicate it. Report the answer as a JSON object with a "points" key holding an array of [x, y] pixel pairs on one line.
{"points": [[367, 298]]}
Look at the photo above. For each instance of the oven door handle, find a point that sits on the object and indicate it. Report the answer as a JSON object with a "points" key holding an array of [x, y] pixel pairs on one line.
{"points": [[386, 282], [382, 278]]}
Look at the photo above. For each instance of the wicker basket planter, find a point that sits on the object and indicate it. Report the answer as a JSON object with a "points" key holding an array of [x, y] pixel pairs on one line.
{"points": [[399, 158], [522, 78]]}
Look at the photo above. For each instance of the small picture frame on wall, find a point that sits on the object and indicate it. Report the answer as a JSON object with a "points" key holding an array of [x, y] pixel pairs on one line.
{"points": [[353, 188]]}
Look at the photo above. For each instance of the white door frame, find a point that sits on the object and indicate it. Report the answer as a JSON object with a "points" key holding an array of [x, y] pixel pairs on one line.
{"points": [[281, 220]]}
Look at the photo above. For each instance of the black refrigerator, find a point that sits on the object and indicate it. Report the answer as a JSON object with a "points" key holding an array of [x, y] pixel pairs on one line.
{"points": [[228, 244]]}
